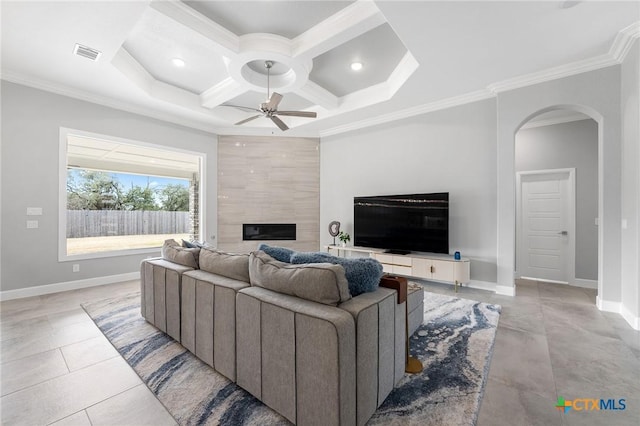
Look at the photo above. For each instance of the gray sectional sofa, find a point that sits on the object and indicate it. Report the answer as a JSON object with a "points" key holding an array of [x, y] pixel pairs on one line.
{"points": [[291, 335]]}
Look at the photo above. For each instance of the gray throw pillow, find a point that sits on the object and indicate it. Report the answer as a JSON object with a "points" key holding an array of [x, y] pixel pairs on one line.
{"points": [[172, 252], [320, 282], [283, 254], [363, 273], [230, 265]]}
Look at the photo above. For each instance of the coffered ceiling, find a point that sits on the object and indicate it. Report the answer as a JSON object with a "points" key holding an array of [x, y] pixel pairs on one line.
{"points": [[416, 55]]}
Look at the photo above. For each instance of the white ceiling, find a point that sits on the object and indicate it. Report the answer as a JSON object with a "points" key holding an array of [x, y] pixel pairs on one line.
{"points": [[102, 154], [417, 55]]}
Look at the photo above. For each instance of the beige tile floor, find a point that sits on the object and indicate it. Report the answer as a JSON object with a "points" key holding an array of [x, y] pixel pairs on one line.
{"points": [[57, 368]]}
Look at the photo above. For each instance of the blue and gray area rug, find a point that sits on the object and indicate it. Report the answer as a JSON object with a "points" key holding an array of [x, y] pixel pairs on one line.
{"points": [[454, 344]]}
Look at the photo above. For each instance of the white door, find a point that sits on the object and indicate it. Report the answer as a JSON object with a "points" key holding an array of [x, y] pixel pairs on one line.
{"points": [[546, 239]]}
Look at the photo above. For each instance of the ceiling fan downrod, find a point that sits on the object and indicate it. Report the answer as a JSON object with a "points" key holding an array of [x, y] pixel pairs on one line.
{"points": [[268, 65]]}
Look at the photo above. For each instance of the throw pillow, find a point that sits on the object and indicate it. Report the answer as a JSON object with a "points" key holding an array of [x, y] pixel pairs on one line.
{"points": [[321, 282], [363, 273], [231, 265], [172, 252], [192, 244], [282, 254]]}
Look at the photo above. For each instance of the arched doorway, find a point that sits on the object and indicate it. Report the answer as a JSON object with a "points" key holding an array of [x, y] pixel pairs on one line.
{"points": [[556, 186], [597, 95]]}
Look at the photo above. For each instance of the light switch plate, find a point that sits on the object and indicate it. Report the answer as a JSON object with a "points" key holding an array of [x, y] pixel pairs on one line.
{"points": [[32, 224], [34, 211]]}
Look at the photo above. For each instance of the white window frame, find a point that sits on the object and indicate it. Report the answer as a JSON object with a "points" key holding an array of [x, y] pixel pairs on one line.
{"points": [[62, 195]]}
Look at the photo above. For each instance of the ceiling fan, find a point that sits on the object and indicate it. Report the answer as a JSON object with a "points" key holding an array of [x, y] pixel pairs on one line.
{"points": [[269, 108]]}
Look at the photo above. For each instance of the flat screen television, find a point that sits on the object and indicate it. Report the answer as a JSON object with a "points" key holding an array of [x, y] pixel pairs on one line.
{"points": [[402, 223]]}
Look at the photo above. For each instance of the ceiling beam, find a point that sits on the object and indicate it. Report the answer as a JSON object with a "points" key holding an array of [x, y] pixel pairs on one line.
{"points": [[352, 21], [318, 95], [227, 43], [222, 92]]}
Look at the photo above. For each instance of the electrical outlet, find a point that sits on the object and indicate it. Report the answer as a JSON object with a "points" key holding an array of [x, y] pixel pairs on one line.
{"points": [[76, 267], [32, 224]]}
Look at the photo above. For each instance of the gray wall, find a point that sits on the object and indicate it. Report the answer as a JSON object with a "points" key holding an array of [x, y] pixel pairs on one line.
{"points": [[31, 120], [630, 92], [452, 150], [569, 145]]}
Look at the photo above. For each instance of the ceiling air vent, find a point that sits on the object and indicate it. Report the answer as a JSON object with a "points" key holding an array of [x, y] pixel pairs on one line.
{"points": [[87, 52]]}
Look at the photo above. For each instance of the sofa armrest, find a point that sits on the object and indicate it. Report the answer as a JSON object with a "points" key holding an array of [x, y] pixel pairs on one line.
{"points": [[380, 346], [296, 356], [160, 287]]}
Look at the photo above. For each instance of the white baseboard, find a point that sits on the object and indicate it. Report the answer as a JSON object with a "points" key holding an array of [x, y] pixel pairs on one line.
{"points": [[607, 305], [579, 282], [619, 308], [629, 317], [505, 290], [481, 285], [543, 280], [65, 286]]}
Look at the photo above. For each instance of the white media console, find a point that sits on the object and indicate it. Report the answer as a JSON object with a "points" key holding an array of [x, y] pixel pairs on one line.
{"points": [[433, 267]]}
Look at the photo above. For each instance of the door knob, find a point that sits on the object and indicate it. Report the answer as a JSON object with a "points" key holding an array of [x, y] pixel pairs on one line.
{"points": [[563, 233]]}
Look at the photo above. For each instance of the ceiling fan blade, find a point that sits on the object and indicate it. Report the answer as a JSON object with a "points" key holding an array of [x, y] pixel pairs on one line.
{"points": [[274, 101], [248, 119], [308, 114], [279, 123], [241, 107]]}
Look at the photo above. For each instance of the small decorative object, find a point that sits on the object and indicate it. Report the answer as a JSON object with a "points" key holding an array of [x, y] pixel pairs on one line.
{"points": [[334, 230], [344, 238], [456, 255]]}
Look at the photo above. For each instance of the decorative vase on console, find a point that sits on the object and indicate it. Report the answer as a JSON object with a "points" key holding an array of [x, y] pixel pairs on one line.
{"points": [[344, 238], [334, 230]]}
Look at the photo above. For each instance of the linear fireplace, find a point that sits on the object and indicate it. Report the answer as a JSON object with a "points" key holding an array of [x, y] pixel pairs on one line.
{"points": [[268, 231]]}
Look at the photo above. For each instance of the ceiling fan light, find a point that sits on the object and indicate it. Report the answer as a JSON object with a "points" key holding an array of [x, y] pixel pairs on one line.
{"points": [[356, 66], [178, 62]]}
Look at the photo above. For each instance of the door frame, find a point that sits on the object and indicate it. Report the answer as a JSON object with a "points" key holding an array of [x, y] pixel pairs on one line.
{"points": [[571, 220]]}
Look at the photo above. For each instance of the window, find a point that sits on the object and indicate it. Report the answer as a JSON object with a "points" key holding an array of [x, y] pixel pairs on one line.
{"points": [[120, 196]]}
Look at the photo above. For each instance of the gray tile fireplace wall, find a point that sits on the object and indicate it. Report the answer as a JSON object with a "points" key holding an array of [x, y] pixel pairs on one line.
{"points": [[268, 180]]}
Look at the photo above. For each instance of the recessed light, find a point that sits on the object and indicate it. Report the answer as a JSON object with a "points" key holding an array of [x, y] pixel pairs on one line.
{"points": [[356, 66], [178, 62]]}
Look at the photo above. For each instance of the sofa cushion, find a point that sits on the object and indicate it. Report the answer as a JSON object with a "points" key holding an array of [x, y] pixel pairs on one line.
{"points": [[321, 282], [231, 265], [363, 273], [282, 254], [172, 252]]}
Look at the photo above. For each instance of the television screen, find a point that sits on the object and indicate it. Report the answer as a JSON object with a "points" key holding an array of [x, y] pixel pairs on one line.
{"points": [[403, 223]]}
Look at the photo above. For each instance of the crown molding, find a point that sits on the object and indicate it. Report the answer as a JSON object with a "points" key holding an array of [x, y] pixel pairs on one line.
{"points": [[619, 49], [104, 101], [624, 40], [554, 73], [410, 112]]}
